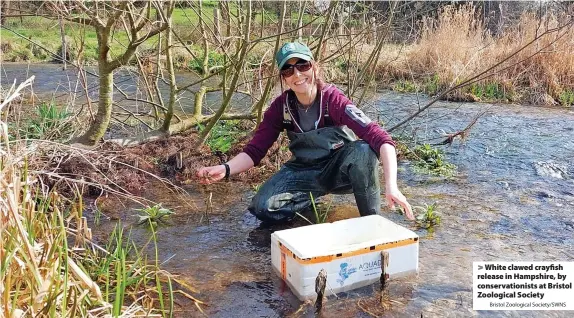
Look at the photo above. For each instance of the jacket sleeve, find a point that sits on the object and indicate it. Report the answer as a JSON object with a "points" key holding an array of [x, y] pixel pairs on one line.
{"points": [[344, 112], [267, 133]]}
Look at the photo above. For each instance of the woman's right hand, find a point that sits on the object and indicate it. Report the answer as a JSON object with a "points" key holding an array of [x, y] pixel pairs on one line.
{"points": [[208, 175]]}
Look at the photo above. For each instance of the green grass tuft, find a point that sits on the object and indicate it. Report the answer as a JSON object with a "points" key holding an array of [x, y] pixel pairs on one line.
{"points": [[429, 218], [405, 86], [566, 98]]}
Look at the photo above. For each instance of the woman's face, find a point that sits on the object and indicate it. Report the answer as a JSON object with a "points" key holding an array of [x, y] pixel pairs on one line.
{"points": [[300, 82]]}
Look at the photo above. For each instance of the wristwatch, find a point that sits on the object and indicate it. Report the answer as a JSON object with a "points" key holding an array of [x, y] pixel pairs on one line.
{"points": [[227, 171]]}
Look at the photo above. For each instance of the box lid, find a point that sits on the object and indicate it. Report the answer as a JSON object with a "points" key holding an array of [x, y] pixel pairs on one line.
{"points": [[342, 236]]}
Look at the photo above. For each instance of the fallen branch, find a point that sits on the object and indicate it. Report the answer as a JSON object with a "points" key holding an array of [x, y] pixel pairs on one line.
{"points": [[462, 133], [194, 121]]}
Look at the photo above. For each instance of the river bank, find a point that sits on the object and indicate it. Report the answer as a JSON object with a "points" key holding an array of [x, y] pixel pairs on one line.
{"points": [[513, 64]]}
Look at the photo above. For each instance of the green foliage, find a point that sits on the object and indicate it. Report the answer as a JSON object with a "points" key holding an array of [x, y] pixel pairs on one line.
{"points": [[46, 32], [256, 187], [405, 86], [51, 123], [432, 85], [341, 64], [488, 91], [153, 214], [566, 98], [223, 135], [37, 51], [125, 269], [321, 211], [20, 54], [429, 218], [432, 160], [214, 59]]}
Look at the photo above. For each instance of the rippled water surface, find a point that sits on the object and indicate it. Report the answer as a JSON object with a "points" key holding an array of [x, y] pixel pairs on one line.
{"points": [[512, 200]]}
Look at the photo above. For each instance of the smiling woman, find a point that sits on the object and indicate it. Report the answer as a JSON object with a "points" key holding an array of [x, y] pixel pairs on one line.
{"points": [[322, 125]]}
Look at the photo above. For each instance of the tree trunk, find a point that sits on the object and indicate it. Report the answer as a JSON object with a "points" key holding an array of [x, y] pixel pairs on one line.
{"points": [[100, 124], [217, 24], [171, 72], [205, 61], [198, 101], [318, 51], [242, 53], [302, 4], [271, 80], [64, 44], [4, 11]]}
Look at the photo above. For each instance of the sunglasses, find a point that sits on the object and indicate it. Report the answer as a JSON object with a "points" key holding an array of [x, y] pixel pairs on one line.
{"points": [[289, 69]]}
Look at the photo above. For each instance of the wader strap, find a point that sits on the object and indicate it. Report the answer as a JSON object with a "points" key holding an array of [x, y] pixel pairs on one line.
{"points": [[287, 119]]}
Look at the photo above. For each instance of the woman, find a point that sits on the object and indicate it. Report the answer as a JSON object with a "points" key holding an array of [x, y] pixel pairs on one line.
{"points": [[322, 125]]}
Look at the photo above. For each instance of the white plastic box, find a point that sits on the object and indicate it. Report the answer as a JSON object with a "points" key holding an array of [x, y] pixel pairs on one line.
{"points": [[348, 250]]}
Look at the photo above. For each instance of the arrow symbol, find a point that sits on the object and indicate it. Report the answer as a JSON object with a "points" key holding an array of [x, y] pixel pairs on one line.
{"points": [[480, 267]]}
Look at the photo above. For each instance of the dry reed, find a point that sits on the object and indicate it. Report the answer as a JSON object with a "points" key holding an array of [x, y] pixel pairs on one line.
{"points": [[49, 266], [457, 45]]}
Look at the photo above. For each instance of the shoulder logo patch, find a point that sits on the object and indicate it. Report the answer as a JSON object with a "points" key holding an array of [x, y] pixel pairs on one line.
{"points": [[357, 115]]}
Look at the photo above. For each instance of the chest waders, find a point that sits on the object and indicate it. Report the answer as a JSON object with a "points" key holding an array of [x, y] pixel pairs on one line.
{"points": [[325, 160]]}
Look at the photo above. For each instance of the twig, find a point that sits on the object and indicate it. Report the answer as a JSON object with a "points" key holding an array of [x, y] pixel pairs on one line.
{"points": [[462, 133]]}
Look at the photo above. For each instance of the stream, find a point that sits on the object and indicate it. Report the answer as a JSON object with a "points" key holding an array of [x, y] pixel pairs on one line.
{"points": [[511, 200]]}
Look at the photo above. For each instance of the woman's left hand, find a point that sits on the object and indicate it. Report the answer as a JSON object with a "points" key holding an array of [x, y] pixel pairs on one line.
{"points": [[393, 195]]}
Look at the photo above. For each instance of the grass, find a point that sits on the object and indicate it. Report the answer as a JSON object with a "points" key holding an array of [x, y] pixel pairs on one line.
{"points": [[255, 187], [405, 86], [50, 265], [47, 33], [320, 213], [528, 75], [566, 98], [51, 122]]}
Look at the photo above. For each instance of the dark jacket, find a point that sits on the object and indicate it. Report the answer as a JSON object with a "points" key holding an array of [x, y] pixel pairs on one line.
{"points": [[338, 108]]}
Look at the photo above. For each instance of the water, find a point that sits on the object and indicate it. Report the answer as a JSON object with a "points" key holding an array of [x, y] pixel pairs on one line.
{"points": [[510, 201], [65, 87]]}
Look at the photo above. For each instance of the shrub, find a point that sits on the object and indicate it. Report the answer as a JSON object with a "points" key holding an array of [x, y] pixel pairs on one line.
{"points": [[214, 59], [37, 51]]}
